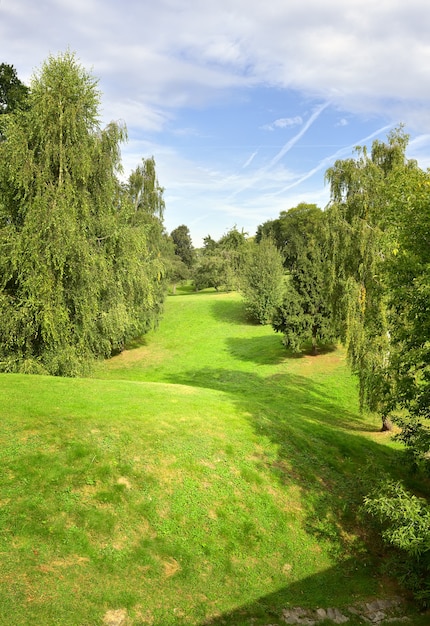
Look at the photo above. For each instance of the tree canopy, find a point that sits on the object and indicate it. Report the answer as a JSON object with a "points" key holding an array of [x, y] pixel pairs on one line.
{"points": [[304, 317], [13, 92], [183, 244], [77, 277], [263, 280]]}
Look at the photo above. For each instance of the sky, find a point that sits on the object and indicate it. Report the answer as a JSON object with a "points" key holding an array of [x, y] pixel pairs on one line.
{"points": [[243, 104]]}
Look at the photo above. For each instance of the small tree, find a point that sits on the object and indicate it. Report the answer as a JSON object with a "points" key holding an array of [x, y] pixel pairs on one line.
{"points": [[263, 281], [211, 271]]}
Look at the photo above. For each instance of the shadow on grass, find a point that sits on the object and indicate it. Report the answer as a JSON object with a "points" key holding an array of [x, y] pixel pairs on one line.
{"points": [[231, 312], [328, 589], [266, 350], [269, 349], [319, 449]]}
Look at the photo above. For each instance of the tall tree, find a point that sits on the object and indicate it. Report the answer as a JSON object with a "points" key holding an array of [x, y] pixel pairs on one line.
{"points": [[73, 279], [364, 191], [147, 213], [183, 244], [408, 283], [233, 250], [304, 317]]}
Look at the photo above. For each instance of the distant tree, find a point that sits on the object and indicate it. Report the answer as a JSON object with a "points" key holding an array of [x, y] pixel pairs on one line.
{"points": [[183, 244], [209, 245], [290, 229], [233, 249], [13, 93], [176, 270], [147, 213], [220, 263], [263, 280], [272, 229], [211, 271]]}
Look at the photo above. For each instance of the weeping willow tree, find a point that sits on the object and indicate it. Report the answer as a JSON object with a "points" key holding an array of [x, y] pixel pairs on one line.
{"points": [[75, 276], [362, 233]]}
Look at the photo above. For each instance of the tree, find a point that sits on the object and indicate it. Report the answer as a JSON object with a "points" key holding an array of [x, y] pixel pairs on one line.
{"points": [[290, 229], [263, 280], [380, 263], [221, 262], [183, 244], [13, 93], [364, 195], [76, 279], [211, 271], [233, 249], [305, 313], [405, 526], [408, 285], [147, 213]]}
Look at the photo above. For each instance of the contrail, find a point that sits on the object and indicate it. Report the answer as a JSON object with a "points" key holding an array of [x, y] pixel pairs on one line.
{"points": [[299, 135], [259, 174], [329, 159]]}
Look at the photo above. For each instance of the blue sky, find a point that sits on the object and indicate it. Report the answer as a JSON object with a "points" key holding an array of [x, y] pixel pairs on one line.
{"points": [[243, 104]]}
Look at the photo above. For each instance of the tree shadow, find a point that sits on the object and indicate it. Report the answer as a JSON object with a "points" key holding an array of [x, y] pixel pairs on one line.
{"points": [[320, 448], [231, 312], [328, 589], [265, 350]]}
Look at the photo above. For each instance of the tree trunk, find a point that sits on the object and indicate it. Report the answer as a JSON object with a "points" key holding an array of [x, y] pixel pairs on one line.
{"points": [[314, 343], [386, 424]]}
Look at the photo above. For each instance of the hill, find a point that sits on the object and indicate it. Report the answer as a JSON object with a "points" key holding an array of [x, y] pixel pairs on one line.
{"points": [[203, 476]]}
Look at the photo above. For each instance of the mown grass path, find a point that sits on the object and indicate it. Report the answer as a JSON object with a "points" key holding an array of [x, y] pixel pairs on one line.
{"points": [[203, 476]]}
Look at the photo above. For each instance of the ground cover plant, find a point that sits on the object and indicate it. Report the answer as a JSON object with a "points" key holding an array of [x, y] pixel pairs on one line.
{"points": [[202, 476]]}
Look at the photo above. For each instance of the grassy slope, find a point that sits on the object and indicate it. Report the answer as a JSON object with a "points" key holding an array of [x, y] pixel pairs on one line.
{"points": [[203, 474]]}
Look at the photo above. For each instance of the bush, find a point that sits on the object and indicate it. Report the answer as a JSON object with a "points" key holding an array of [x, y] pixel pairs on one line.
{"points": [[405, 523]]}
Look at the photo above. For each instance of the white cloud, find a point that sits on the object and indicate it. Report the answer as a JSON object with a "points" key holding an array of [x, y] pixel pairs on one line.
{"points": [[284, 122], [154, 60], [362, 55]]}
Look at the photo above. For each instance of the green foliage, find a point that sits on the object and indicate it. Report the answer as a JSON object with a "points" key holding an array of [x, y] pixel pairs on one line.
{"points": [[211, 271], [13, 93], [183, 244], [366, 197], [177, 271], [263, 281], [221, 263], [408, 272], [290, 320], [405, 522], [304, 316], [76, 276], [379, 232]]}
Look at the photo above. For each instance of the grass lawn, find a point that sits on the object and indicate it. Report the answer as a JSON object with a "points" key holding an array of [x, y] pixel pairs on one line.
{"points": [[203, 476]]}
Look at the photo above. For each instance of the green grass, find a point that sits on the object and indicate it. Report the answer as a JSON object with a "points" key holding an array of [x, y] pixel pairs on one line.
{"points": [[204, 475]]}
